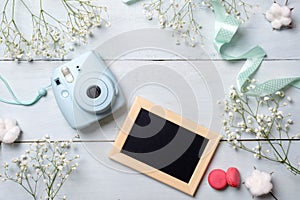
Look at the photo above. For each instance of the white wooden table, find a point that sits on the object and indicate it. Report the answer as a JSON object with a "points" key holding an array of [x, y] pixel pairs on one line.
{"points": [[184, 79]]}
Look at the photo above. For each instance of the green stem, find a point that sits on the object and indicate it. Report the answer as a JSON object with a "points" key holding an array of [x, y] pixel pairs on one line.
{"points": [[26, 189], [27, 8], [29, 186], [243, 147], [55, 19], [13, 10], [5, 5], [52, 182], [62, 182]]}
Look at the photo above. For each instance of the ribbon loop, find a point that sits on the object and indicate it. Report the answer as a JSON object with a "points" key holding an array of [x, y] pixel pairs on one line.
{"points": [[226, 26]]}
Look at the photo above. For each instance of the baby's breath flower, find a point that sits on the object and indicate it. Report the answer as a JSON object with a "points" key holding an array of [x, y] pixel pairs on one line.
{"points": [[177, 15], [266, 98], [5, 165], [37, 167], [262, 119], [60, 168], [52, 37], [257, 155]]}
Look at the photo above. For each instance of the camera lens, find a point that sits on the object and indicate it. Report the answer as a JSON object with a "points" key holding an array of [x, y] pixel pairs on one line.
{"points": [[93, 92]]}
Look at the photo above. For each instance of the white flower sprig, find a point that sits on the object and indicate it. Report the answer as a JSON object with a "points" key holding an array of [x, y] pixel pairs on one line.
{"points": [[239, 8], [46, 165], [177, 15], [181, 16], [51, 37], [262, 118]]}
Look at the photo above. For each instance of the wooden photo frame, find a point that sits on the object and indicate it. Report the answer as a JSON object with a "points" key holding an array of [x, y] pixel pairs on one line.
{"points": [[165, 146]]}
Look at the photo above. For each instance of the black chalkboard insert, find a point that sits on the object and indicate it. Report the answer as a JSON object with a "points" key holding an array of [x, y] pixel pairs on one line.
{"points": [[164, 145]]}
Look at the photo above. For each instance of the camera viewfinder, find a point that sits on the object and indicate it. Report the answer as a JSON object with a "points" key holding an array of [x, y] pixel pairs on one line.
{"points": [[57, 81]]}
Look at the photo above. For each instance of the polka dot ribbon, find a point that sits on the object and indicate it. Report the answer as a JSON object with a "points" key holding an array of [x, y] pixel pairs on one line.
{"points": [[226, 26]]}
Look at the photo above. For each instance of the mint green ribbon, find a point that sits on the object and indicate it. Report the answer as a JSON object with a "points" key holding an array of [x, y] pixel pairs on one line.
{"points": [[226, 26]]}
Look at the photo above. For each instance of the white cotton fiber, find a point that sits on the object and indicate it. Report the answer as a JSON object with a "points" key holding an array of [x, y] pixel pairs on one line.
{"points": [[286, 11], [270, 17], [285, 21], [276, 24], [2, 133], [11, 135], [9, 131], [10, 123], [2, 129], [279, 16], [2, 124], [276, 9], [259, 183]]}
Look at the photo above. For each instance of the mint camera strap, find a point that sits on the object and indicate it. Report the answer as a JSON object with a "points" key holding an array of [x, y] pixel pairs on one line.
{"points": [[41, 93]]}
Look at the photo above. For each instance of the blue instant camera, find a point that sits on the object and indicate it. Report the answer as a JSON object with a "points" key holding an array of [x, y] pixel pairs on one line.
{"points": [[86, 90]]}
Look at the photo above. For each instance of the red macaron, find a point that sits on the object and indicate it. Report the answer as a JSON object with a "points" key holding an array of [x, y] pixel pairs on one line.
{"points": [[233, 177], [217, 179]]}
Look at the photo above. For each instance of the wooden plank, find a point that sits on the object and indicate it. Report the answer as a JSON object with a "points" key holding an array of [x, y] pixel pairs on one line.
{"points": [[179, 73], [99, 177], [126, 18], [187, 88]]}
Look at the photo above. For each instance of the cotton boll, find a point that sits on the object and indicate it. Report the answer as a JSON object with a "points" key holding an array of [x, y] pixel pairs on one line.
{"points": [[259, 183], [10, 123], [9, 131], [279, 16], [11, 135]]}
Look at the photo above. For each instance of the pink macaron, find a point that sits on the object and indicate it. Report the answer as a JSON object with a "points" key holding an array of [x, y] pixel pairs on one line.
{"points": [[233, 177], [217, 179]]}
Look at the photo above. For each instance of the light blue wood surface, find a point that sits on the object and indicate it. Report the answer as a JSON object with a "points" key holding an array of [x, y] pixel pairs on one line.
{"points": [[164, 77]]}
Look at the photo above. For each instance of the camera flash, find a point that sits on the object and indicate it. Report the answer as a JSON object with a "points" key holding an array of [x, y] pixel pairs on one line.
{"points": [[67, 74]]}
